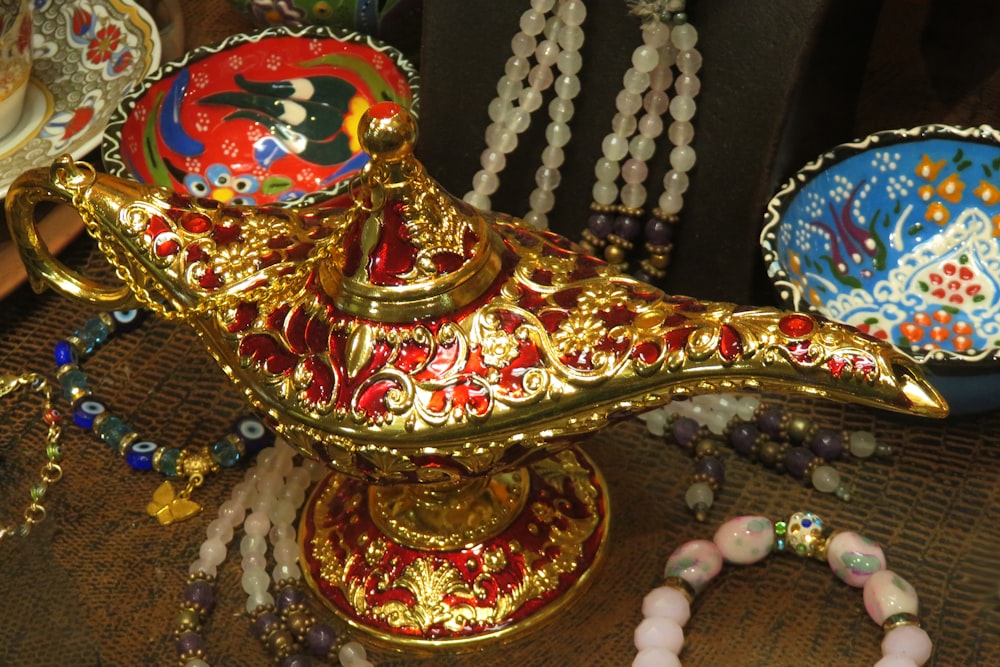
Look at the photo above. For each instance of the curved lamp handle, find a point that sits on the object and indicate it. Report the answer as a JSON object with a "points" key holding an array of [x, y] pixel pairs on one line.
{"points": [[42, 185]]}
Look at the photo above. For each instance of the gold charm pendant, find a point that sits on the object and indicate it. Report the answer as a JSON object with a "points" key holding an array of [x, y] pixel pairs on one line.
{"points": [[170, 507]]}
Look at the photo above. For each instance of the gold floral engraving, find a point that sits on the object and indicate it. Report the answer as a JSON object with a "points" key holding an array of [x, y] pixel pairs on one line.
{"points": [[431, 591]]}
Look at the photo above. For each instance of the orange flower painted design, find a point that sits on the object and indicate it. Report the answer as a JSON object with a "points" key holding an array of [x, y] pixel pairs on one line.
{"points": [[950, 189], [928, 169]]}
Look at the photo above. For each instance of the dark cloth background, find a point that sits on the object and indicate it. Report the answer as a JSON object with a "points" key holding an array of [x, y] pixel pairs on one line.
{"points": [[99, 582]]}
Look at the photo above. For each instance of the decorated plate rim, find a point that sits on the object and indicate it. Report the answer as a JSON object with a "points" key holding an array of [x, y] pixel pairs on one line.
{"points": [[111, 151], [789, 291]]}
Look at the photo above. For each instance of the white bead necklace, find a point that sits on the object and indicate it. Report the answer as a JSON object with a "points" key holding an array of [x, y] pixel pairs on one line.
{"points": [[558, 23], [667, 58], [265, 504]]}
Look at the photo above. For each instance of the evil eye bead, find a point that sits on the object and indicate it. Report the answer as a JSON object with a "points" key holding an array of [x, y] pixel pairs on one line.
{"points": [[253, 433], [127, 320], [86, 410], [65, 353], [140, 454]]}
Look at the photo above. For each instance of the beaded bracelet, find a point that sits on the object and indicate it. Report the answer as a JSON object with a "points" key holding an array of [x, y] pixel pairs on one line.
{"points": [[51, 471], [768, 435], [265, 504], [247, 437], [858, 561]]}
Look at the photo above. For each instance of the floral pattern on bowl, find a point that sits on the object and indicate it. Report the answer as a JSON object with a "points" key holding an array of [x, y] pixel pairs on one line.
{"points": [[264, 118], [899, 235], [87, 55]]}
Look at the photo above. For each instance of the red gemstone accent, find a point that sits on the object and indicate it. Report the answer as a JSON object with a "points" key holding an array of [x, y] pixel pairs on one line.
{"points": [[647, 351], [196, 223], [166, 248], [195, 254], [51, 416], [157, 225], [796, 326], [730, 343]]}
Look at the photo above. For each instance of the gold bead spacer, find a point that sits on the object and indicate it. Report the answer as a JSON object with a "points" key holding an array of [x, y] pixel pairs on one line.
{"points": [[681, 585], [188, 620], [594, 242], [299, 621], [898, 620]]}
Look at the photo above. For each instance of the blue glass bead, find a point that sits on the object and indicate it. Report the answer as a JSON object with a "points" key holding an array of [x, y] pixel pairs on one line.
{"points": [[127, 320], [72, 382], [112, 430], [227, 452], [253, 433], [168, 462], [93, 333], [65, 354], [86, 409], [140, 454]]}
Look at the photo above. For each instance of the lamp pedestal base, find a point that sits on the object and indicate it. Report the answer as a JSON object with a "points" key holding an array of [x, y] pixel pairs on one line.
{"points": [[438, 568]]}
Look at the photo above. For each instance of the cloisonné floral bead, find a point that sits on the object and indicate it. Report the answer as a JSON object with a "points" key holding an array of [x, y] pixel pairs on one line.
{"points": [[696, 562], [745, 539], [854, 558]]}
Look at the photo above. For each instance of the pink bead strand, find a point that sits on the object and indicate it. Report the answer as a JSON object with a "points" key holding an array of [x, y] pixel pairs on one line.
{"points": [[890, 600]]}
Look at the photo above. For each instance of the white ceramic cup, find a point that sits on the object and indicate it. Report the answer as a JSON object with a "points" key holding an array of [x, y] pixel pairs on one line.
{"points": [[15, 60]]}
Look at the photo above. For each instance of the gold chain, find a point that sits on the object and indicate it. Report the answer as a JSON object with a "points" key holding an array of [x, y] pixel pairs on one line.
{"points": [[51, 472]]}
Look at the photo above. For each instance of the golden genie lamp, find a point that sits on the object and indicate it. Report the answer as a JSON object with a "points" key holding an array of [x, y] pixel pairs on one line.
{"points": [[443, 361]]}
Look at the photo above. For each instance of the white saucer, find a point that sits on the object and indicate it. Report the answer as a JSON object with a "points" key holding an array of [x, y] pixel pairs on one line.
{"points": [[38, 105], [73, 93], [78, 78]]}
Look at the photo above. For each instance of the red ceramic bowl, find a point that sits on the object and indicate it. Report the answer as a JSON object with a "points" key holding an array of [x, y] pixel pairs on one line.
{"points": [[263, 118]]}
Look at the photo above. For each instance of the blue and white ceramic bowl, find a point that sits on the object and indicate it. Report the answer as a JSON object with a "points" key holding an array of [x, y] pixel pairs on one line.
{"points": [[898, 234]]}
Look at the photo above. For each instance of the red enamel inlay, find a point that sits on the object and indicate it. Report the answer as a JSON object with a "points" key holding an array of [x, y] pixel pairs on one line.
{"points": [[799, 352], [371, 399], [730, 343], [836, 366], [210, 280], [677, 338], [195, 254], [265, 351], [276, 318], [317, 334], [411, 356], [864, 365], [319, 391], [295, 330], [196, 223], [393, 254], [245, 315], [226, 234], [796, 326]]}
